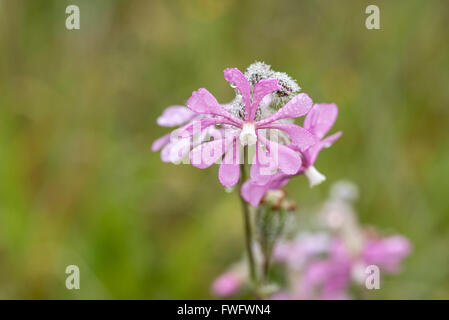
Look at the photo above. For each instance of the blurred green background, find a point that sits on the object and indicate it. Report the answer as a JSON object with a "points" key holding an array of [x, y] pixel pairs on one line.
{"points": [[80, 185]]}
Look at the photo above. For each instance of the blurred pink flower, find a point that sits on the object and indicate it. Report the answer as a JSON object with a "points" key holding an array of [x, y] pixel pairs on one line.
{"points": [[327, 270], [386, 253], [327, 278], [302, 249], [226, 284]]}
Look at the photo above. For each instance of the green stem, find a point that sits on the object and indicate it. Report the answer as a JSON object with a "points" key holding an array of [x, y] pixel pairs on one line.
{"points": [[266, 266], [247, 222]]}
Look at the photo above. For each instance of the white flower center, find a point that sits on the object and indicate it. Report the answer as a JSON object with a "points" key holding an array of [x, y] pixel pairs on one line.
{"points": [[248, 134], [315, 177]]}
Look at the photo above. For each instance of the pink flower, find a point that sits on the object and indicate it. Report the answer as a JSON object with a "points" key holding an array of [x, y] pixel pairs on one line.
{"points": [[302, 249], [333, 274], [226, 285], [327, 278], [247, 131], [320, 277], [386, 253], [318, 121], [328, 269]]}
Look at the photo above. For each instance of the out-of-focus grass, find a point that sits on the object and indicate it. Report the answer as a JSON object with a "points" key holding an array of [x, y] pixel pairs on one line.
{"points": [[79, 184]]}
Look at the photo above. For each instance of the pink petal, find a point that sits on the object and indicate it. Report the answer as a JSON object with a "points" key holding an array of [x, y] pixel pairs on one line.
{"points": [[175, 116], [203, 102], [166, 153], [321, 118], [262, 89], [312, 153], [198, 126], [286, 159], [229, 172], [253, 193], [262, 167], [234, 76], [279, 180], [301, 138], [296, 107], [206, 154], [257, 174], [179, 149], [327, 142], [160, 142]]}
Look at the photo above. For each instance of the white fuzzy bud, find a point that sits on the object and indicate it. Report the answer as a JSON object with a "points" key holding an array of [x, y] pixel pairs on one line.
{"points": [[315, 177]]}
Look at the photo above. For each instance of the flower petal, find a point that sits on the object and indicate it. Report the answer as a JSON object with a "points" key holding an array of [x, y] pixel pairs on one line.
{"points": [[165, 153], [301, 138], [206, 154], [296, 107], [321, 118], [328, 141], [203, 102], [238, 79], [200, 125], [286, 159], [262, 89], [175, 116], [160, 142], [253, 193], [261, 171], [229, 172], [178, 150], [313, 151]]}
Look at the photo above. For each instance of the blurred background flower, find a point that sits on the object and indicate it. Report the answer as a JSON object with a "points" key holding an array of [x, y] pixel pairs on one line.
{"points": [[321, 259], [78, 109]]}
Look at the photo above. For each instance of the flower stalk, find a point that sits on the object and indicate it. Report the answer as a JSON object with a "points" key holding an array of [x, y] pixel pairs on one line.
{"points": [[247, 221]]}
